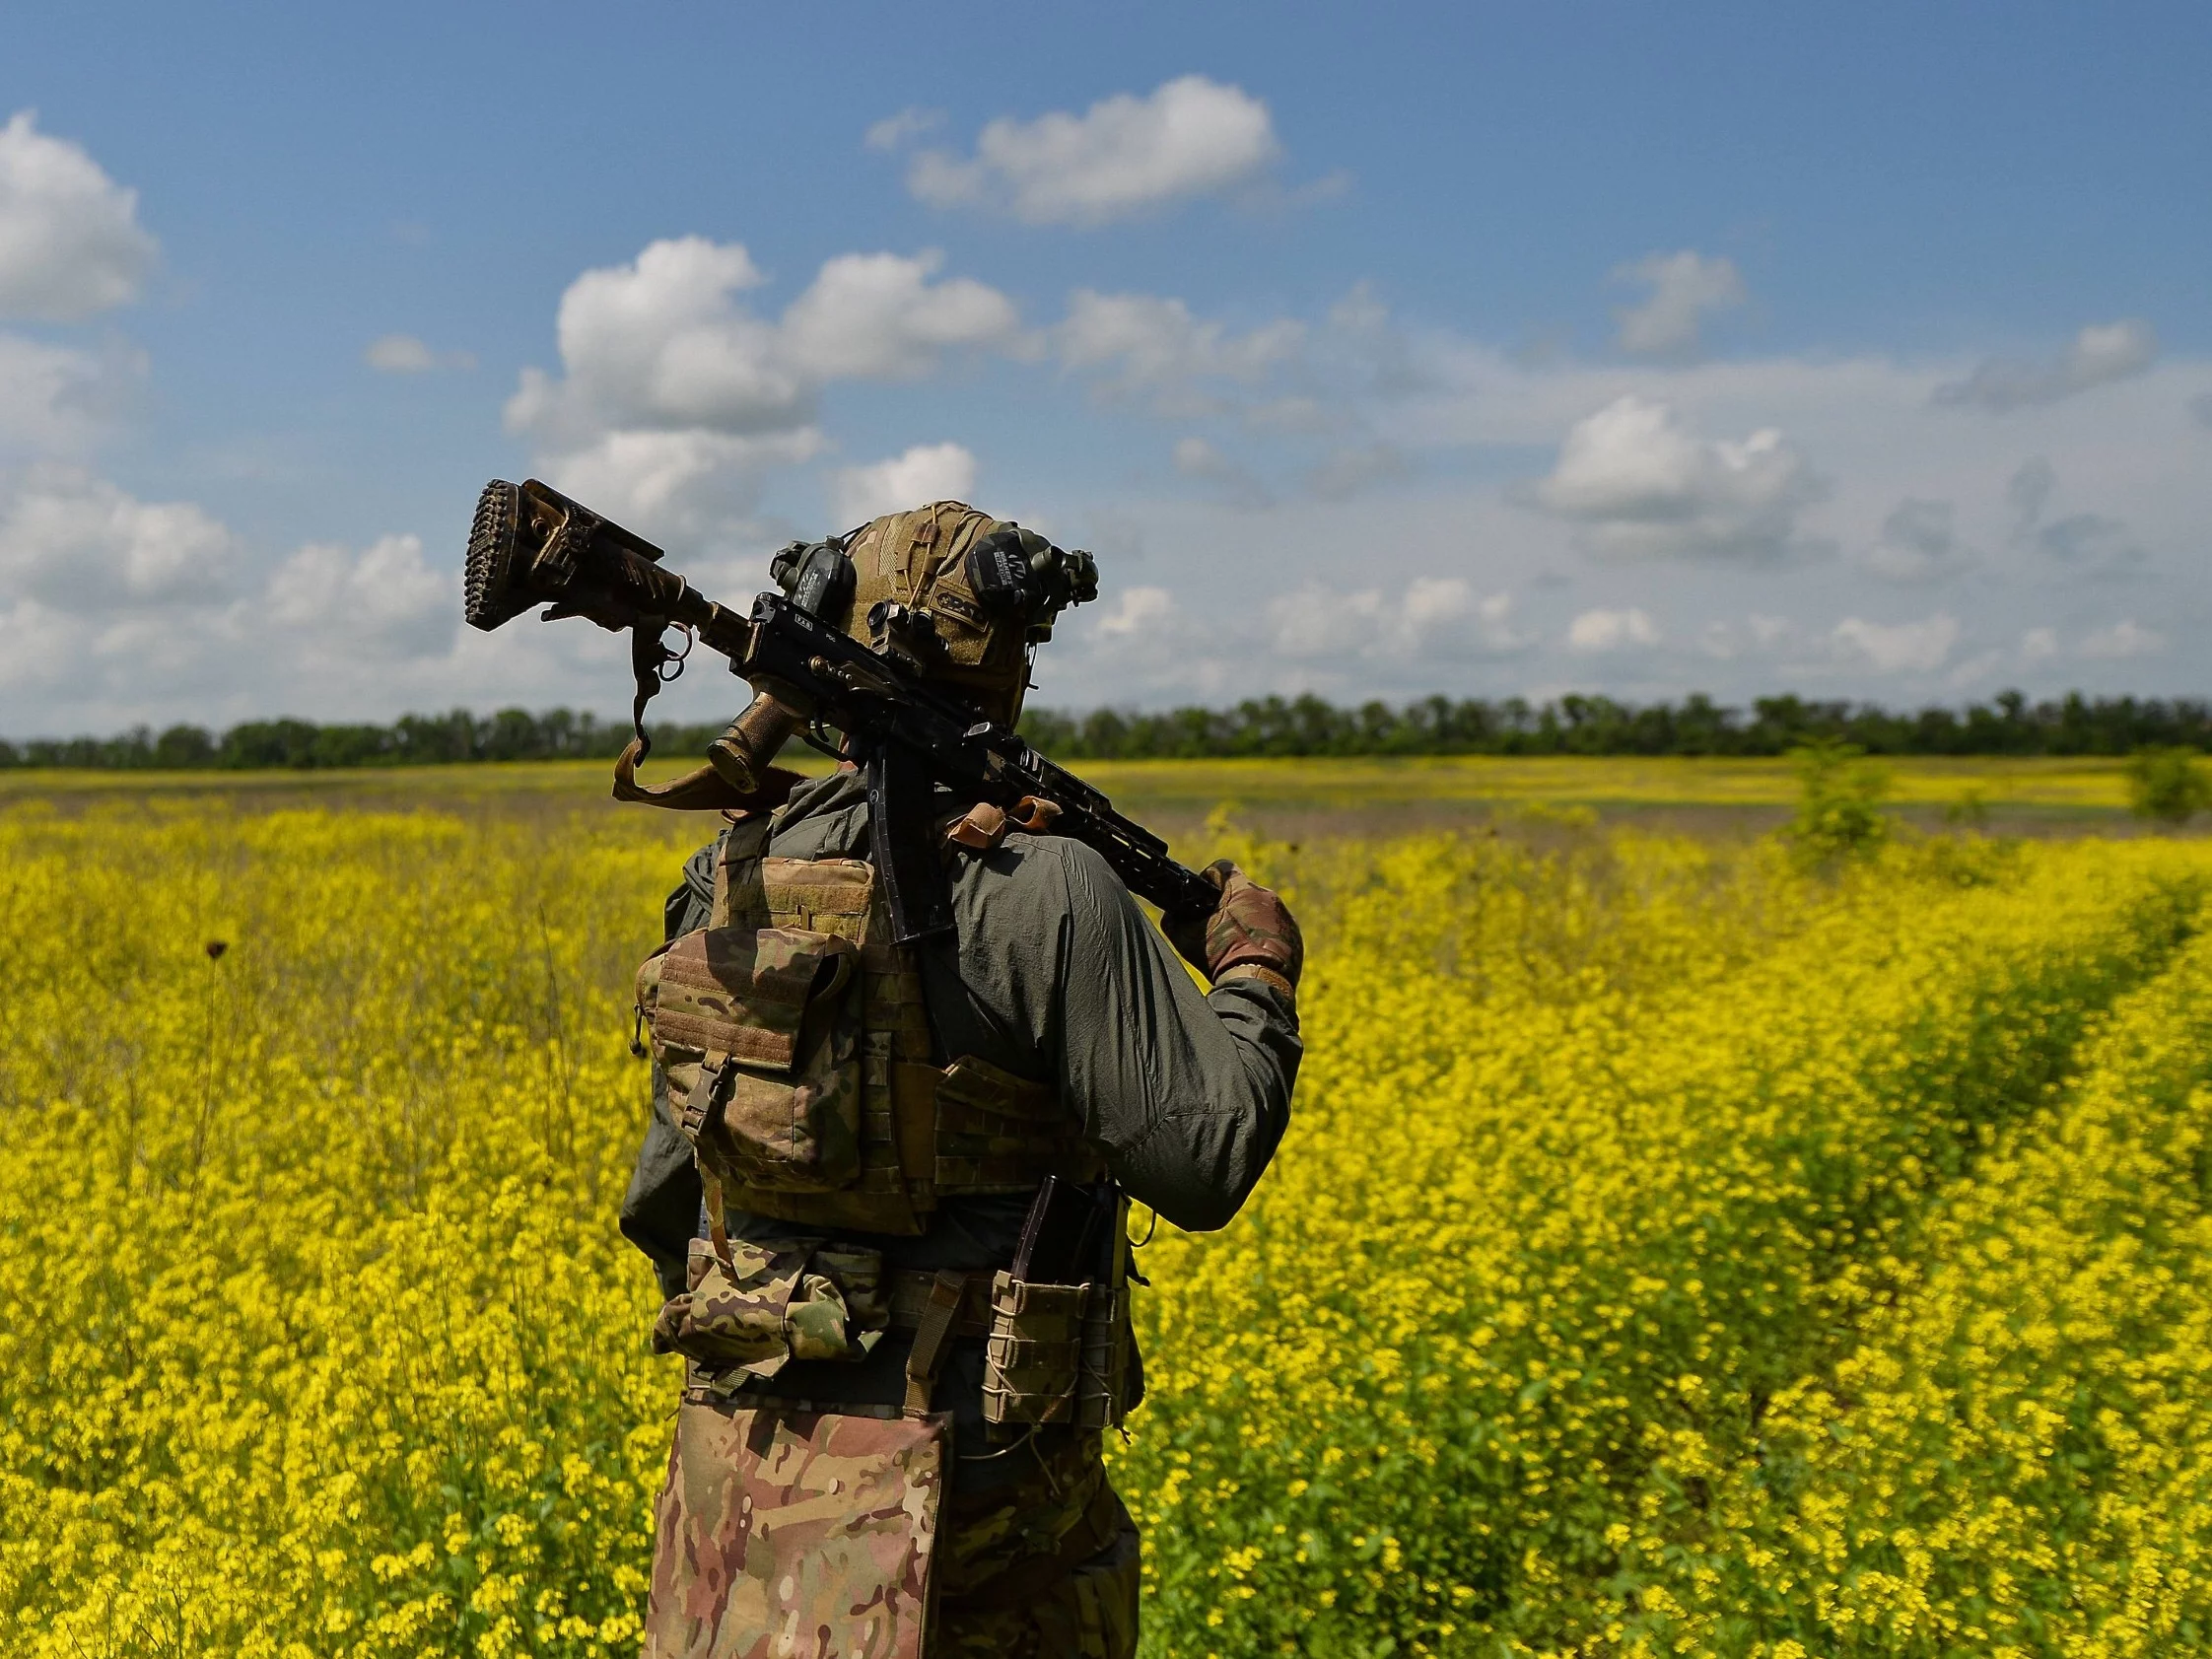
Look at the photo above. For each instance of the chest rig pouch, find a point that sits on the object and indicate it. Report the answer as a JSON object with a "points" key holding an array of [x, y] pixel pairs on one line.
{"points": [[800, 1067]]}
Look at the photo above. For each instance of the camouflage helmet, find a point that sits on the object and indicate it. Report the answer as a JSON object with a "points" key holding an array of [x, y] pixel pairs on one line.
{"points": [[960, 597]]}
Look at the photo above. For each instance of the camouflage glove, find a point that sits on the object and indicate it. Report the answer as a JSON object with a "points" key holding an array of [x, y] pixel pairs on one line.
{"points": [[1250, 929]]}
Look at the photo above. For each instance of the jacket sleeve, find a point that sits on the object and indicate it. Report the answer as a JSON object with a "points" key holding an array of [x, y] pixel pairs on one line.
{"points": [[661, 1210], [1188, 1092]]}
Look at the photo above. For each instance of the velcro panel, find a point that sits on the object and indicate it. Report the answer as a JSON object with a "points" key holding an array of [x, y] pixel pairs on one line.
{"points": [[743, 991], [833, 895]]}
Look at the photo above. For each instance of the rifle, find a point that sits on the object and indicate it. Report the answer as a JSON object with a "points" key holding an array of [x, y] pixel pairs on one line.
{"points": [[531, 545]]}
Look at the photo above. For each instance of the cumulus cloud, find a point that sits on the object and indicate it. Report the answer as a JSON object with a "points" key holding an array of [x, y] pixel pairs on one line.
{"points": [[1900, 648], [1432, 617], [55, 399], [383, 602], [1612, 630], [75, 542], [1640, 484], [1142, 638], [1684, 288], [1123, 157], [879, 316], [70, 242], [2122, 639], [1143, 345], [689, 482], [1919, 543], [403, 354], [677, 396], [2100, 353], [925, 473], [1135, 611], [662, 342]]}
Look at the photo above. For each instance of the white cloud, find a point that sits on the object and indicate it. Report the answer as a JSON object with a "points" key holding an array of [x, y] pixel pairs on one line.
{"points": [[692, 482], [384, 602], [75, 542], [1124, 155], [1919, 543], [1641, 485], [1146, 345], [403, 354], [662, 342], [2100, 352], [70, 242], [2039, 645], [2201, 408], [2122, 640], [1135, 611], [896, 132], [1610, 630], [878, 316], [1432, 617], [56, 399], [39, 646], [1900, 648], [925, 473], [1685, 287], [678, 399]]}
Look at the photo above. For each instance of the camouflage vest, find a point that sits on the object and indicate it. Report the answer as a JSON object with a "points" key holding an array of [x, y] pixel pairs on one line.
{"points": [[801, 1064]]}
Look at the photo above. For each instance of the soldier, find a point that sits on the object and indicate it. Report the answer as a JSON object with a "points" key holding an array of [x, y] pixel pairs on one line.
{"points": [[887, 1444]]}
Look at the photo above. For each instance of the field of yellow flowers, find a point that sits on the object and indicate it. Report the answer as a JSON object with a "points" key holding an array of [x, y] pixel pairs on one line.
{"points": [[1675, 1250]]}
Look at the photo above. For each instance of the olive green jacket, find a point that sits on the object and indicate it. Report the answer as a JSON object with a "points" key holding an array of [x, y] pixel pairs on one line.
{"points": [[1055, 974]]}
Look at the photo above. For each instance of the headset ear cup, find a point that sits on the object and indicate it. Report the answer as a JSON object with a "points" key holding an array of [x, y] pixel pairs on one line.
{"points": [[1000, 575]]}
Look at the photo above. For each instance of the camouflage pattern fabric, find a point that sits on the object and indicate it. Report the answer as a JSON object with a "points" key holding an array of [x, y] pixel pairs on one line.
{"points": [[776, 1301], [794, 1534], [1250, 928], [764, 1014]]}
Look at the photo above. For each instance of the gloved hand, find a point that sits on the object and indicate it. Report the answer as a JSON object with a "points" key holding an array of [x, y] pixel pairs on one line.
{"points": [[1251, 927]]}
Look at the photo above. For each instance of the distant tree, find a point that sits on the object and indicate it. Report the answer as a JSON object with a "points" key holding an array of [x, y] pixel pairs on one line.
{"points": [[2168, 784], [1840, 802], [184, 747]]}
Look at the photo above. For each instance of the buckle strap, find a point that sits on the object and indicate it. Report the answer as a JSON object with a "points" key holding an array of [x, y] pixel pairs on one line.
{"points": [[946, 1293], [908, 1296]]}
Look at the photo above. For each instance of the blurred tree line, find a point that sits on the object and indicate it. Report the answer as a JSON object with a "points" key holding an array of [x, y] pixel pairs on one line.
{"points": [[1599, 725], [2073, 725]]}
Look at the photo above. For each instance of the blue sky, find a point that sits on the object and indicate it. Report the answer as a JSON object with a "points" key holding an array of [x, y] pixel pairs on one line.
{"points": [[1862, 352]]}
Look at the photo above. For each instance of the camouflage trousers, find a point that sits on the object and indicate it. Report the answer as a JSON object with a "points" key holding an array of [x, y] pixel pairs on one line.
{"points": [[785, 1533], [1043, 1568]]}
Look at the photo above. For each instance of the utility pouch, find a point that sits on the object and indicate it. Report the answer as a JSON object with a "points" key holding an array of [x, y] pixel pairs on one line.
{"points": [[1057, 1353], [1034, 1353], [758, 1030], [773, 1301]]}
